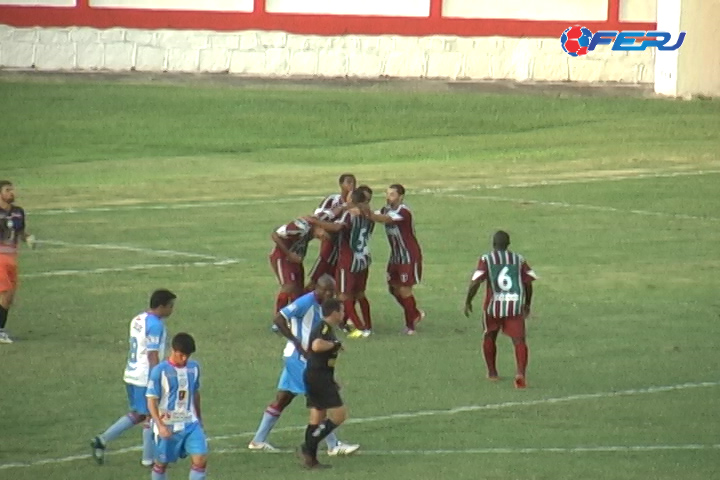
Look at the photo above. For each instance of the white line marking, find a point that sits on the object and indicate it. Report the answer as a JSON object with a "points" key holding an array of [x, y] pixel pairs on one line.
{"points": [[130, 268], [127, 248], [572, 181], [424, 191], [581, 206], [176, 206], [506, 450], [423, 413], [212, 260]]}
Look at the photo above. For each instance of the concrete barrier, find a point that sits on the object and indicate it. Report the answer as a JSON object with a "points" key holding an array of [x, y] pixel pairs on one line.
{"points": [[280, 54]]}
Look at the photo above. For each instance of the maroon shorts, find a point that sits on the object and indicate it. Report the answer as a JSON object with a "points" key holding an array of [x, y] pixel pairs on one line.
{"points": [[288, 273], [349, 282], [320, 268], [404, 275], [513, 327]]}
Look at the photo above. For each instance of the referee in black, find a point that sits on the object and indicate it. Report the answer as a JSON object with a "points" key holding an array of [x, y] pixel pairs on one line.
{"points": [[327, 411]]}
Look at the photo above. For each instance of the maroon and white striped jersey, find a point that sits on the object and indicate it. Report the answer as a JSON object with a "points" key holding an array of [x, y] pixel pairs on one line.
{"points": [[329, 246], [404, 247], [324, 210], [507, 273], [295, 235]]}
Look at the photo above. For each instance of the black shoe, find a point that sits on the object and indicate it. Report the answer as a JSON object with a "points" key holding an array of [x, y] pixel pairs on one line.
{"points": [[305, 456], [98, 450]]}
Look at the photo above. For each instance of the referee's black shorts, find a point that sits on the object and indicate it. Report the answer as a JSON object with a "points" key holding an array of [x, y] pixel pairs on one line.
{"points": [[322, 391]]}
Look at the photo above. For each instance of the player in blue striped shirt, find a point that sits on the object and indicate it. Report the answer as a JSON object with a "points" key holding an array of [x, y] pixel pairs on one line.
{"points": [[296, 321], [173, 398]]}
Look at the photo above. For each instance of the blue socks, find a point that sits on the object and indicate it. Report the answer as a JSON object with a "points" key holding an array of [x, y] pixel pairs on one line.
{"points": [[158, 473], [266, 425], [196, 473], [332, 440], [148, 443], [123, 423]]}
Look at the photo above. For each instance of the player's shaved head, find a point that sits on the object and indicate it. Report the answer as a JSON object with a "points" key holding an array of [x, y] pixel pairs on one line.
{"points": [[501, 240], [326, 281], [325, 288]]}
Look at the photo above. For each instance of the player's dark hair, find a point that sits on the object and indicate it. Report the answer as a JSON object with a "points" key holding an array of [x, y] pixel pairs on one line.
{"points": [[501, 240], [5, 183], [358, 196], [344, 177], [331, 306], [365, 188], [161, 298], [398, 188], [183, 343]]}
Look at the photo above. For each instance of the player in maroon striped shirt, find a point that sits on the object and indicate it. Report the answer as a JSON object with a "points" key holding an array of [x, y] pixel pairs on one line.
{"points": [[507, 302], [286, 259], [329, 211], [354, 229], [404, 268]]}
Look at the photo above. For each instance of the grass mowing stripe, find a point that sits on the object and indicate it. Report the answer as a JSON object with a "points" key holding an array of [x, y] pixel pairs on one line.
{"points": [[397, 416], [424, 191]]}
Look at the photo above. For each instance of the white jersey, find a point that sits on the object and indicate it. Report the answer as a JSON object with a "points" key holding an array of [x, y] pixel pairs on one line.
{"points": [[147, 334]]}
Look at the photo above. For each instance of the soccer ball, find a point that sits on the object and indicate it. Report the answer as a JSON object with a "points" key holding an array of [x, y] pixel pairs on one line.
{"points": [[575, 40]]}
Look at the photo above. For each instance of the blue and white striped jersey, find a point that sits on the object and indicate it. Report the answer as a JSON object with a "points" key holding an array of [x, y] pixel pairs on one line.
{"points": [[175, 388], [302, 315]]}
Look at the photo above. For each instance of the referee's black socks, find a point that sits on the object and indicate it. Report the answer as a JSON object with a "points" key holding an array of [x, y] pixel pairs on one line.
{"points": [[3, 316], [314, 434]]}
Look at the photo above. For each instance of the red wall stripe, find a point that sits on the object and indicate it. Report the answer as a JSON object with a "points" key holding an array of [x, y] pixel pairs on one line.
{"points": [[436, 9], [614, 12], [83, 15]]}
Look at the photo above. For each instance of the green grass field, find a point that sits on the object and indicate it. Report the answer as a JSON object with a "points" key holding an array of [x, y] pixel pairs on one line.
{"points": [[614, 201]]}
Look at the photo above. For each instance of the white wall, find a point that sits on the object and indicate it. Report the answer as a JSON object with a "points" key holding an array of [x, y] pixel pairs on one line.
{"points": [[638, 10], [694, 69], [40, 3], [197, 5], [406, 8], [280, 54], [571, 10]]}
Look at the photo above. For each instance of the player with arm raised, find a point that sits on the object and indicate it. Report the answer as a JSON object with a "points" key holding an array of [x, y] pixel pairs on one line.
{"points": [[329, 210], [404, 268], [147, 348], [507, 302], [12, 230], [295, 322], [173, 400], [354, 255]]}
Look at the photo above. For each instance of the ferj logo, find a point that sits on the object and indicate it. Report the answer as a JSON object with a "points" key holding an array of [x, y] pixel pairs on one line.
{"points": [[577, 40]]}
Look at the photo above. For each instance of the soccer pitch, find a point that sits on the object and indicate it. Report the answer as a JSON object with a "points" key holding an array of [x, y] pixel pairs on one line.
{"points": [[614, 201]]}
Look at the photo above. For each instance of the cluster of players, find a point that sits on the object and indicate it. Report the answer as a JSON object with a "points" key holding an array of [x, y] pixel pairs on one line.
{"points": [[344, 223], [164, 394]]}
